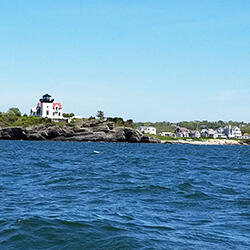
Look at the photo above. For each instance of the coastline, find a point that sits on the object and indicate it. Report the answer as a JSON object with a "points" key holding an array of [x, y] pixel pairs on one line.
{"points": [[86, 130], [120, 134], [207, 142], [97, 131]]}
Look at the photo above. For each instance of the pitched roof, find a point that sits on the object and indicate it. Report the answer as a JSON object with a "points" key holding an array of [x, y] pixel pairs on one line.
{"points": [[184, 129], [57, 104]]}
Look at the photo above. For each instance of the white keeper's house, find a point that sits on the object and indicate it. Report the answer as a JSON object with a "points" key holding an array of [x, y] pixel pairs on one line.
{"points": [[46, 107]]}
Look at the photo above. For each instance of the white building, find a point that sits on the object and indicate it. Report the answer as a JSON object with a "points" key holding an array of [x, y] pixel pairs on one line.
{"points": [[46, 107], [181, 132], [220, 133], [209, 133], [236, 132], [232, 132], [169, 134], [147, 130]]}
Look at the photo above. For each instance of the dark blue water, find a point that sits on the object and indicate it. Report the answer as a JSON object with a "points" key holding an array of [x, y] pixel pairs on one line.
{"points": [[57, 195]]}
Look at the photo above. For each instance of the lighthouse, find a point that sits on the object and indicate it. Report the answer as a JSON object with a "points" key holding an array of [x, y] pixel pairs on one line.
{"points": [[47, 107]]}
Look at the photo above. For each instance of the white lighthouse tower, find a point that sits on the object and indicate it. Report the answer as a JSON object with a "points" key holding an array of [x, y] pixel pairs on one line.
{"points": [[46, 107]]}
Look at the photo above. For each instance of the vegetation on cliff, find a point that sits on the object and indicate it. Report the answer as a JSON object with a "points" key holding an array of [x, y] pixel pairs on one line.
{"points": [[14, 118]]}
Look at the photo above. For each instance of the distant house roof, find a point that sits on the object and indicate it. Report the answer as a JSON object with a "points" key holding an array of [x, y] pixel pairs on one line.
{"points": [[182, 129], [46, 95], [236, 127], [210, 130]]}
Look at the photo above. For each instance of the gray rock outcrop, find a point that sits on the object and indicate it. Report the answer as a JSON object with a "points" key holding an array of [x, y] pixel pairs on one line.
{"points": [[84, 131]]}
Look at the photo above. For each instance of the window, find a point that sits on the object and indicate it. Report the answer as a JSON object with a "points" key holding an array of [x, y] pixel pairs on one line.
{"points": [[47, 112], [59, 113]]}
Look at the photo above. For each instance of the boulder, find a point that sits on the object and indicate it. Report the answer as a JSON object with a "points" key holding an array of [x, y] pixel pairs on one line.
{"points": [[132, 135], [118, 134], [101, 127], [35, 136], [14, 133], [149, 139]]}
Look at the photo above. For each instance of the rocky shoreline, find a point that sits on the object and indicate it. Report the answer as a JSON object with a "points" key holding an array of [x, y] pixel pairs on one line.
{"points": [[95, 131], [86, 130]]}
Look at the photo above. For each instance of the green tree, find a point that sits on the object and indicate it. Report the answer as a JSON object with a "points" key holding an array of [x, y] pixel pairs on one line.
{"points": [[10, 117], [130, 122], [100, 115], [117, 120], [16, 111]]}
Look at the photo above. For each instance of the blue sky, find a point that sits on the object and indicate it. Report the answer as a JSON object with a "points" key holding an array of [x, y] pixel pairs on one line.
{"points": [[148, 60]]}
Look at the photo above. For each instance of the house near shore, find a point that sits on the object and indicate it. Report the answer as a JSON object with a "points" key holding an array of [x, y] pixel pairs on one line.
{"points": [[224, 133], [232, 132], [147, 130], [47, 107], [169, 134], [220, 133], [181, 132], [194, 134], [209, 133]]}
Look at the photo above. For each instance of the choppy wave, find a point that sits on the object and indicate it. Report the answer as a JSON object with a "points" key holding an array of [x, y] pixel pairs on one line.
{"points": [[57, 195], [40, 233]]}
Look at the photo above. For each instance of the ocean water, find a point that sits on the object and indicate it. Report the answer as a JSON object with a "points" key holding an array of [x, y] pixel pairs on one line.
{"points": [[65, 195]]}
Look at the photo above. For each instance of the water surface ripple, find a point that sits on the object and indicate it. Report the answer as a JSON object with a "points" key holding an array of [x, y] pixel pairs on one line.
{"points": [[63, 195]]}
